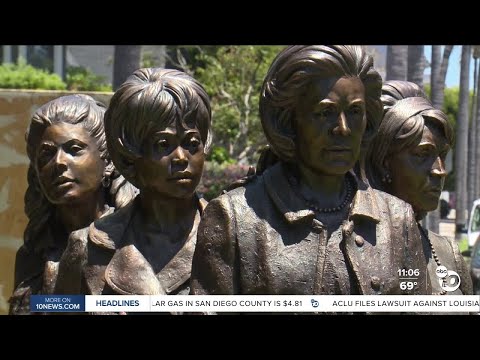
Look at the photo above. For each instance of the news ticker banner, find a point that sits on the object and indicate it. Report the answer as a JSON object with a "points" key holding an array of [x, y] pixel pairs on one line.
{"points": [[256, 303]]}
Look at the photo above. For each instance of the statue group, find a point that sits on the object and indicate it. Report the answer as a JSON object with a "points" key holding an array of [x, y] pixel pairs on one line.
{"points": [[334, 206]]}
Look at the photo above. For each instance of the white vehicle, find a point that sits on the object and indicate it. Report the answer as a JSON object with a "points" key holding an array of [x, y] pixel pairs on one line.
{"points": [[474, 224]]}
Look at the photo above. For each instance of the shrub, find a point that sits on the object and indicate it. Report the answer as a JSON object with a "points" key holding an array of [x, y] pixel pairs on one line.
{"points": [[80, 78], [24, 76], [216, 178], [220, 155]]}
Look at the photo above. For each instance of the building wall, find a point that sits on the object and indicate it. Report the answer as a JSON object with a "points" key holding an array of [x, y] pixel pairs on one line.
{"points": [[16, 109], [98, 58]]}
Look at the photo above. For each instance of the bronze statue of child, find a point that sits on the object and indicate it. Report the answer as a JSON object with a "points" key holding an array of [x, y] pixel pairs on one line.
{"points": [[71, 183], [158, 132]]}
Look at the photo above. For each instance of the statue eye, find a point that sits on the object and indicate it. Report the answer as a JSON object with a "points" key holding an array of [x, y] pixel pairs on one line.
{"points": [[45, 155], [422, 154], [194, 142], [75, 149], [356, 110], [324, 112], [163, 144]]}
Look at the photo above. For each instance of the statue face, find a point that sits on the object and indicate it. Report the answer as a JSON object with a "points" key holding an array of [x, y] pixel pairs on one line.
{"points": [[418, 173], [68, 164], [330, 122], [172, 164]]}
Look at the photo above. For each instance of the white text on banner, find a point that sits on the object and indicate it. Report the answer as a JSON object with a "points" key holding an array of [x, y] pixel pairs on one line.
{"points": [[283, 303]]}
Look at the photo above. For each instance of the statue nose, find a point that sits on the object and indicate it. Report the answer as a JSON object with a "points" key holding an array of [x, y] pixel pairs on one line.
{"points": [[438, 168], [61, 160], [342, 126], [179, 156]]}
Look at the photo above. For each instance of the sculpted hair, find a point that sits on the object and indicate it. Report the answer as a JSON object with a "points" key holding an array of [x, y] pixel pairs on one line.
{"points": [[72, 109], [290, 74], [407, 110], [152, 99]]}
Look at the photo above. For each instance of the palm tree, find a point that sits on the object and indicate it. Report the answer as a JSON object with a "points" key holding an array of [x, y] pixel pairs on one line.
{"points": [[476, 176], [397, 62], [462, 140], [126, 59], [437, 81], [416, 64], [472, 136], [439, 72]]}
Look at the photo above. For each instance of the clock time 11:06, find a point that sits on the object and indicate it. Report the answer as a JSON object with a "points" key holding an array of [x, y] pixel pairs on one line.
{"points": [[408, 272]]}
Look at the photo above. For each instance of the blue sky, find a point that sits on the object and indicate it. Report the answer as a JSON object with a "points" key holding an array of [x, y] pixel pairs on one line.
{"points": [[453, 72]]}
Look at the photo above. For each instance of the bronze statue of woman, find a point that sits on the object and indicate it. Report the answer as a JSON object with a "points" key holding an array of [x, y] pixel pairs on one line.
{"points": [[71, 182], [407, 159], [307, 224], [158, 132]]}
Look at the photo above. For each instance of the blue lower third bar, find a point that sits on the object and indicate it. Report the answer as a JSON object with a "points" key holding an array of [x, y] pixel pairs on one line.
{"points": [[57, 303]]}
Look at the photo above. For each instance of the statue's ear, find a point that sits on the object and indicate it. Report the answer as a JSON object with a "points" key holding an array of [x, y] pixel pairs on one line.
{"points": [[385, 172], [128, 170], [386, 164], [124, 157]]}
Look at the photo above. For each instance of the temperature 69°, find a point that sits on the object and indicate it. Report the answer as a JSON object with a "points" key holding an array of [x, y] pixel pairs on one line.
{"points": [[407, 285]]}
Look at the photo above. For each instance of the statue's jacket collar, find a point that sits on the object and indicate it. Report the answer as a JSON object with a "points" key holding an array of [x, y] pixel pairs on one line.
{"points": [[124, 268]]}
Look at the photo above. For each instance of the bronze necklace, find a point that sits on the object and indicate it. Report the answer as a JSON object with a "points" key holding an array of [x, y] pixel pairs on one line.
{"points": [[434, 254], [294, 182]]}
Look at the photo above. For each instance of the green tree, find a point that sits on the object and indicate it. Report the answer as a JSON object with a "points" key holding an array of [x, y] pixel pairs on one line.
{"points": [[233, 76], [450, 102], [189, 58]]}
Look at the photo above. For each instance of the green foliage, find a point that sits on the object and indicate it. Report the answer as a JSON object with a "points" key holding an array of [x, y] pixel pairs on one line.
{"points": [[187, 58], [80, 78], [220, 155], [148, 60], [217, 177], [450, 103], [24, 76], [233, 76], [463, 244]]}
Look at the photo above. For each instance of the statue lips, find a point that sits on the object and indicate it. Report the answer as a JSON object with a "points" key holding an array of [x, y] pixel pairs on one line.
{"points": [[182, 177], [62, 180], [436, 191], [339, 150]]}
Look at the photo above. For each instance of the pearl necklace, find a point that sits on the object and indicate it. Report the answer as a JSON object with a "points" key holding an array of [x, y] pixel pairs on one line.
{"points": [[434, 254], [313, 206]]}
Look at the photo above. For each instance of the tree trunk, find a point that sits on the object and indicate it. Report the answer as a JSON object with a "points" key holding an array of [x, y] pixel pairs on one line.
{"points": [[416, 64], [477, 147], [472, 142], [126, 59], [437, 81], [462, 140], [397, 62], [439, 72]]}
